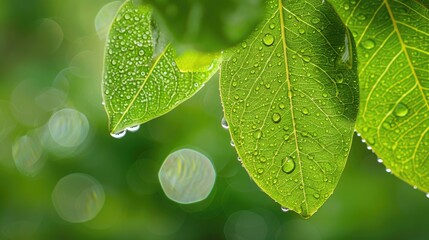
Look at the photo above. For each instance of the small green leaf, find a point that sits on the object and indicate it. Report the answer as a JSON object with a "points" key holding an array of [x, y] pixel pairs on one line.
{"points": [[208, 25], [393, 47], [290, 97], [141, 79]]}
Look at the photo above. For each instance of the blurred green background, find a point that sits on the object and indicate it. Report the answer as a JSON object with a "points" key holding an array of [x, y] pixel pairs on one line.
{"points": [[50, 74]]}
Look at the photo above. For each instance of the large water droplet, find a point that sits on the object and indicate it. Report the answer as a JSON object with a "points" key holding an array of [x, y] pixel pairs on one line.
{"points": [[368, 44], [134, 128], [276, 118], [288, 165], [268, 39], [224, 123], [401, 110], [118, 135]]}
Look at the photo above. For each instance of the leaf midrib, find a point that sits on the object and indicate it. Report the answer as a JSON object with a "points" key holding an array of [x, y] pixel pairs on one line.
{"points": [[141, 87], [282, 27]]}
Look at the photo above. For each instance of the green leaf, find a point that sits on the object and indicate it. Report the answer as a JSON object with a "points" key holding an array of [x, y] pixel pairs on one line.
{"points": [[290, 97], [393, 48], [208, 25], [141, 79]]}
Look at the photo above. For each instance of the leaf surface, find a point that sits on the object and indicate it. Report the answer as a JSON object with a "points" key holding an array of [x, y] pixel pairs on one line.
{"points": [[393, 46], [290, 97], [141, 79]]}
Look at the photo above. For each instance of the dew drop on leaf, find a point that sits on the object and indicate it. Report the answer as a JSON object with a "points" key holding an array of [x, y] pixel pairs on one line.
{"points": [[257, 134], [305, 110], [401, 110], [288, 165], [268, 39], [276, 117], [368, 44], [232, 143]]}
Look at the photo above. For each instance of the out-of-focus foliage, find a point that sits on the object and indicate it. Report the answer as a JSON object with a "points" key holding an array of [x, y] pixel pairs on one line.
{"points": [[35, 84], [208, 25]]}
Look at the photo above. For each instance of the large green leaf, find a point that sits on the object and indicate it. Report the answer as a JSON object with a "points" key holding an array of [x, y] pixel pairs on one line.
{"points": [[208, 25], [141, 78], [290, 97], [393, 46]]}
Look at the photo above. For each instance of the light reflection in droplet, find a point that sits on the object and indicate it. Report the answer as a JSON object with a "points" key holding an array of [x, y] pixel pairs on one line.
{"points": [[68, 127], [78, 197], [187, 176], [104, 18]]}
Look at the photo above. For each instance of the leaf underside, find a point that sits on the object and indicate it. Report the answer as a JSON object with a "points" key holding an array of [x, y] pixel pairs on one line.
{"points": [[393, 46], [141, 80], [290, 97]]}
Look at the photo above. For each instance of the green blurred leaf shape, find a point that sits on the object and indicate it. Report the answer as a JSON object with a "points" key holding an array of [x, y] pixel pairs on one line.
{"points": [[290, 97], [208, 25], [141, 79], [393, 48]]}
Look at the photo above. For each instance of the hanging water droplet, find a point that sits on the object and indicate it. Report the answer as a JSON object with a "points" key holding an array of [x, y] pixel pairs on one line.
{"points": [[285, 209], [232, 143], [134, 128], [368, 44], [427, 195], [118, 135], [414, 187], [380, 160], [388, 170], [276, 118], [268, 39], [239, 159], [224, 123], [288, 165], [401, 110]]}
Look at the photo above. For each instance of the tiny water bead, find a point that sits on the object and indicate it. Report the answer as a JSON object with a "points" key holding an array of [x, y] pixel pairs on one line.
{"points": [[305, 111], [232, 143], [224, 123], [268, 39], [187, 176], [401, 110], [119, 135]]}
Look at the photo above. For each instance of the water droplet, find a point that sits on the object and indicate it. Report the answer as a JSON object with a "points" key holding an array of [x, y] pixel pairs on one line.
{"points": [[285, 209], [244, 44], [301, 30], [281, 106], [257, 134], [401, 110], [388, 170], [272, 26], [305, 110], [368, 44], [268, 39], [306, 58], [288, 165], [316, 196], [427, 195], [224, 123], [414, 187], [118, 135], [276, 117], [380, 160], [239, 159], [134, 128], [315, 20], [260, 170], [232, 143]]}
